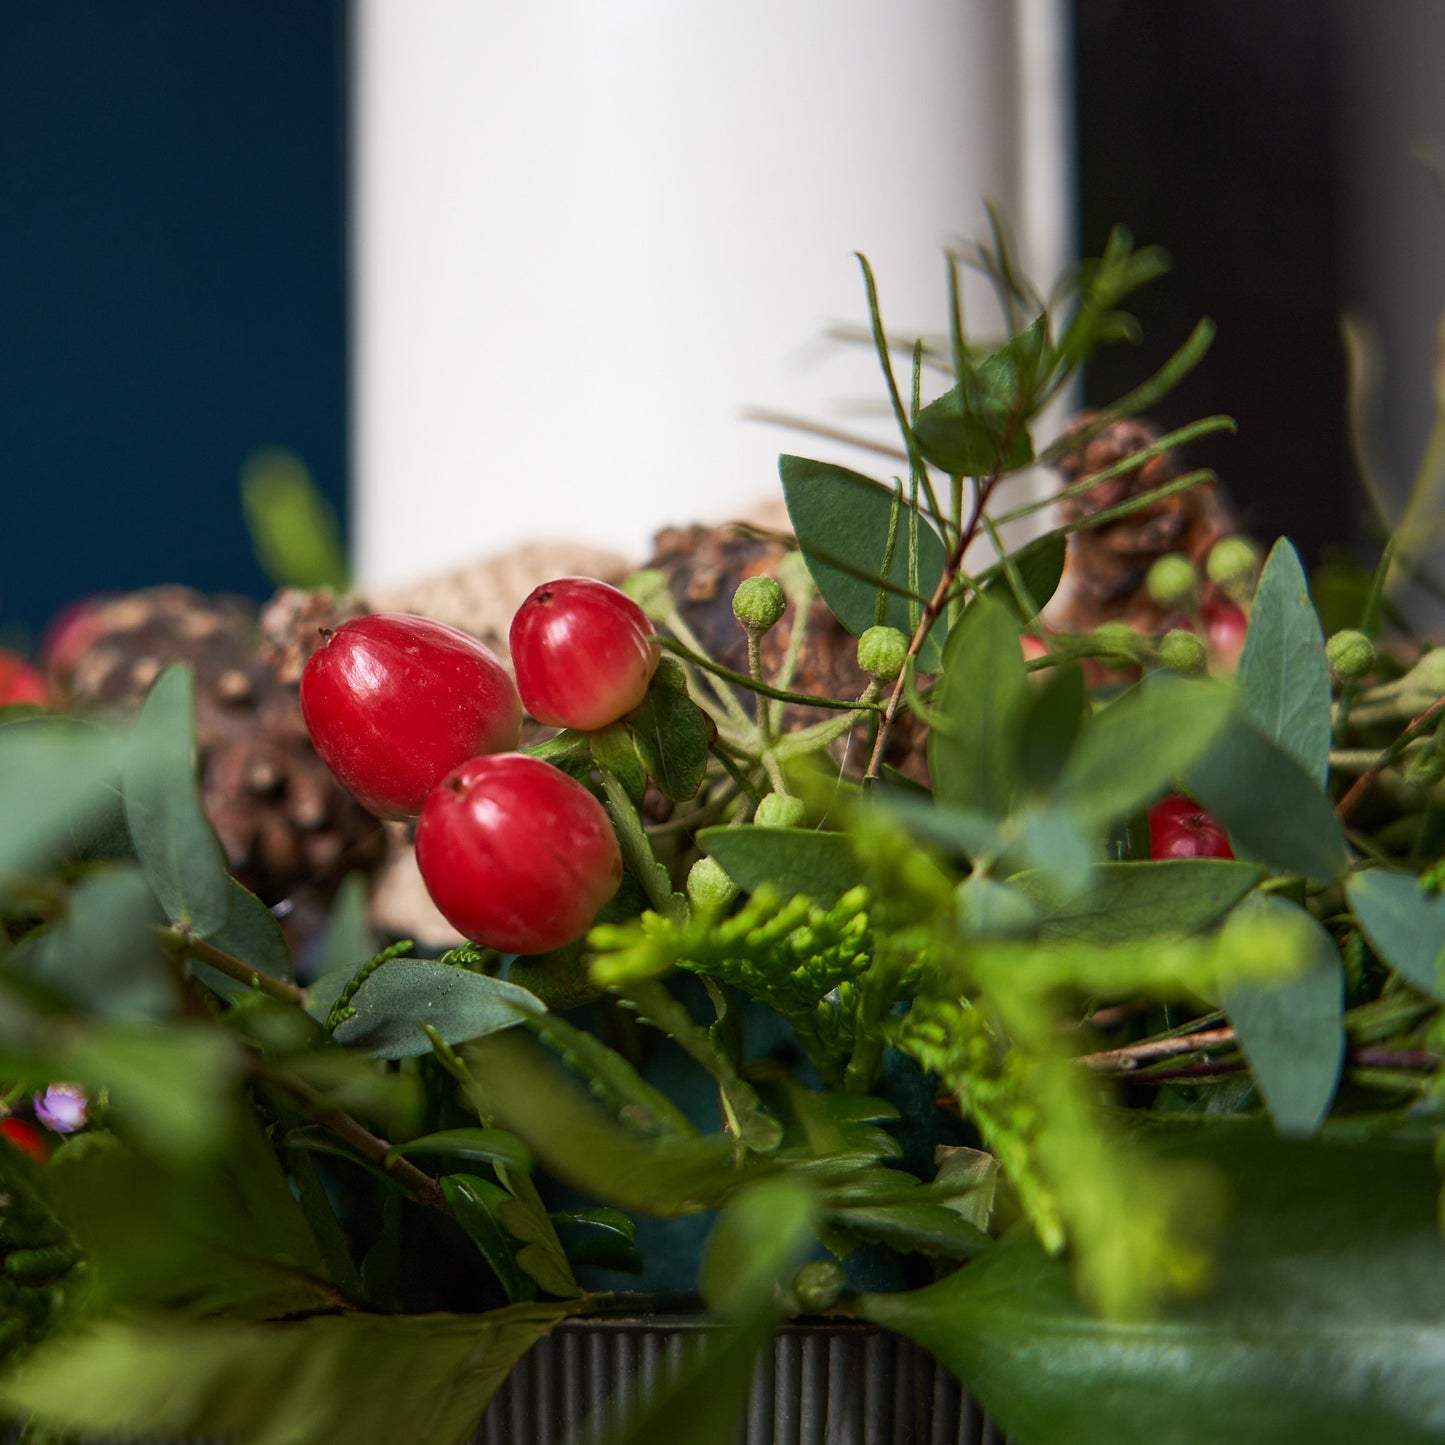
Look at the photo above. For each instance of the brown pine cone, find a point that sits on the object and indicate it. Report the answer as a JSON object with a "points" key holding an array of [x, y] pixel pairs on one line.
{"points": [[704, 565], [288, 829], [1106, 567]]}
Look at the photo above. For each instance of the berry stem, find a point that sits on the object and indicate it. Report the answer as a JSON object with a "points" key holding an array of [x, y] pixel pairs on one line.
{"points": [[637, 851]]}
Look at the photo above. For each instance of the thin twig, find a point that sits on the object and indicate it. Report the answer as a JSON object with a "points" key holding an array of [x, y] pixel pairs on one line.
{"points": [[1130, 1056], [1362, 785]]}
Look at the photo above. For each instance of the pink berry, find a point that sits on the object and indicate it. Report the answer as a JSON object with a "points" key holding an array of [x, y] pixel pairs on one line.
{"points": [[583, 652], [517, 855], [393, 703]]}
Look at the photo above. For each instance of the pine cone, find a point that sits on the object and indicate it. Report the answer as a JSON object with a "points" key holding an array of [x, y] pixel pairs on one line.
{"points": [[1106, 567], [288, 829], [704, 565]]}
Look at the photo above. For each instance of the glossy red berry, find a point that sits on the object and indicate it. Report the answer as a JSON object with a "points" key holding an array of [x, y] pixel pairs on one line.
{"points": [[26, 1138], [517, 856], [583, 652], [393, 703], [1180, 828]]}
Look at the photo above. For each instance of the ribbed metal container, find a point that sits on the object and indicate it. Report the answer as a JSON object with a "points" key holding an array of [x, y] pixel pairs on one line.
{"points": [[823, 1383]]}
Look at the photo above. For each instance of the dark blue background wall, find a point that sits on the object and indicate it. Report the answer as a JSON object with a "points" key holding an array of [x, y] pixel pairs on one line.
{"points": [[172, 293]]}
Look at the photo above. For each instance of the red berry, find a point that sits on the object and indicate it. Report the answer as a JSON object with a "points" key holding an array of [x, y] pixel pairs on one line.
{"points": [[393, 703], [19, 682], [26, 1138], [517, 856], [1226, 625], [584, 653], [1180, 828]]}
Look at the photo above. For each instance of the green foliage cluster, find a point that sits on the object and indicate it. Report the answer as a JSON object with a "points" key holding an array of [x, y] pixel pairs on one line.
{"points": [[341, 1209]]}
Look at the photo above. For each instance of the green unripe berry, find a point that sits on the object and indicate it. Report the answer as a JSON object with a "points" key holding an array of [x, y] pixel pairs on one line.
{"points": [[759, 604], [1233, 564], [708, 886], [1182, 652], [817, 1285], [882, 652], [650, 591], [1351, 653], [780, 810], [1171, 580]]}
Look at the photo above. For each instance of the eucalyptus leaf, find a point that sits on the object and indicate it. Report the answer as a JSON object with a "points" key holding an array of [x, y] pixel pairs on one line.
{"points": [[1038, 567], [1322, 1325], [821, 864], [104, 953], [1293, 1032], [333, 1379], [252, 934], [1404, 925], [1128, 754], [1284, 674], [1125, 902], [841, 520], [178, 849], [57, 783], [348, 941], [394, 1003], [1271, 808], [978, 706], [1051, 723]]}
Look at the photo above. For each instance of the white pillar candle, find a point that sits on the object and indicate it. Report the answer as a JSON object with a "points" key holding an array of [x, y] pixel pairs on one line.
{"points": [[588, 234]]}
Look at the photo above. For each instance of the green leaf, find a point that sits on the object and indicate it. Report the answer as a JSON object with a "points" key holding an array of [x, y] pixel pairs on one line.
{"points": [[1128, 754], [293, 527], [484, 1145], [541, 1256], [841, 521], [57, 782], [580, 1145], [348, 941], [1052, 718], [760, 1237], [252, 934], [178, 849], [1125, 902], [978, 427], [1283, 672], [1039, 568], [672, 733], [1271, 808], [613, 1221], [475, 1204], [615, 749], [820, 864], [1404, 925], [908, 1228], [336, 1379], [1293, 1033], [959, 830], [1322, 1325], [103, 955], [978, 705], [395, 1003]]}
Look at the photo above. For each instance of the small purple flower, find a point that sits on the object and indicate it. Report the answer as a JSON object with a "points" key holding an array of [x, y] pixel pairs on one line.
{"points": [[62, 1108]]}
